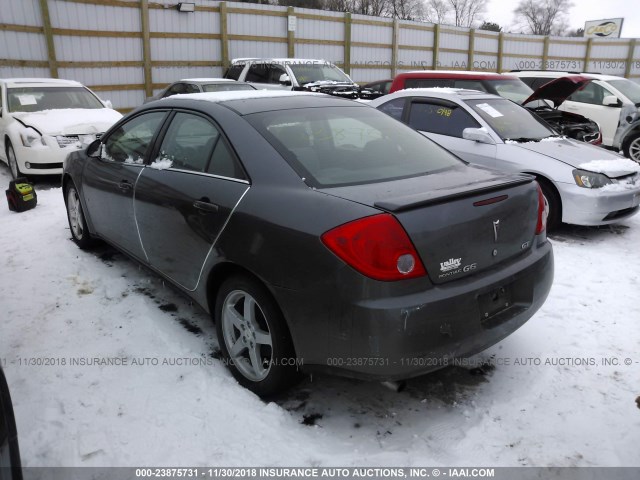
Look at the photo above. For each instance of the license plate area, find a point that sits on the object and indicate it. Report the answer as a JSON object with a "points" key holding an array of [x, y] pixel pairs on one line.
{"points": [[494, 302]]}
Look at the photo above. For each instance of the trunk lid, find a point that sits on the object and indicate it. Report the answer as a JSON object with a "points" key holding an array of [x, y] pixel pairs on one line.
{"points": [[461, 221]]}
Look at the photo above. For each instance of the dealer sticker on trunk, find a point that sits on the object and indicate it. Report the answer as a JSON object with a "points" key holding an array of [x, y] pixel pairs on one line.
{"points": [[453, 266]]}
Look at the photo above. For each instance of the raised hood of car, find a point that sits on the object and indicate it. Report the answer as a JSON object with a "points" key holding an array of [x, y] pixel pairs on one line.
{"points": [[571, 152], [70, 121], [558, 90]]}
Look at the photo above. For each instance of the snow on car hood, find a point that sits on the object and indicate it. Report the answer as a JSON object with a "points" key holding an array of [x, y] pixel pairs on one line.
{"points": [[611, 168], [558, 90], [70, 121], [569, 151]]}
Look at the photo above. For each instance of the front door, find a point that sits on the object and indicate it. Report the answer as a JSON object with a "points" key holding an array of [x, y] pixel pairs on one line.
{"points": [[109, 181]]}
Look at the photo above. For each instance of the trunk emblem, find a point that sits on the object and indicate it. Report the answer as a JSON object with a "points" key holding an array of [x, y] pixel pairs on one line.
{"points": [[496, 228]]}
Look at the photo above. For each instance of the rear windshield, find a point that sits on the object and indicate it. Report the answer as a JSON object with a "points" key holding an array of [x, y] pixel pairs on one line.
{"points": [[36, 99], [338, 146], [226, 87]]}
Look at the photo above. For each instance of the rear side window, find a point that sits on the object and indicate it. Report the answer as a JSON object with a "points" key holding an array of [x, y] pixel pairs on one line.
{"points": [[443, 119], [259, 73], [189, 142], [338, 146], [427, 82], [234, 71]]}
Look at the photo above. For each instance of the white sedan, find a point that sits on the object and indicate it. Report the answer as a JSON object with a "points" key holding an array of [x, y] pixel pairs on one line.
{"points": [[42, 120], [583, 184]]}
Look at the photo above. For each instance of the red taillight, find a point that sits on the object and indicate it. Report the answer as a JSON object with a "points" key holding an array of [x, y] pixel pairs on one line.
{"points": [[543, 211], [377, 247]]}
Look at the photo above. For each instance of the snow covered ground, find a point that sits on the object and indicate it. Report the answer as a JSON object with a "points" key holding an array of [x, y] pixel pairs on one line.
{"points": [[62, 304]]}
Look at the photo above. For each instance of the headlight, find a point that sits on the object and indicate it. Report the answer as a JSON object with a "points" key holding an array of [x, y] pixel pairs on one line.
{"points": [[586, 179], [30, 137]]}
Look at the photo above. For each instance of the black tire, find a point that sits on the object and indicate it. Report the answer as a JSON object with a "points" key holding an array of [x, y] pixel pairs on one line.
{"points": [[631, 147], [554, 218], [75, 216], [10, 460], [276, 370], [12, 161]]}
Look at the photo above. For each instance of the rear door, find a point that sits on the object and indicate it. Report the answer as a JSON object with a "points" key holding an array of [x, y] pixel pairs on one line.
{"points": [[443, 122], [108, 183], [185, 196]]}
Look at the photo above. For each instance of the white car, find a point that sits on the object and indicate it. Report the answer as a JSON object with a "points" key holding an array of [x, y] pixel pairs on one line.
{"points": [[583, 184], [42, 120], [613, 102]]}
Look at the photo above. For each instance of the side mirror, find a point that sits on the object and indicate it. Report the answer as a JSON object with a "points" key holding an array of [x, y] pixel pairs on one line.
{"points": [[478, 135], [611, 101], [94, 150], [107, 103], [285, 80]]}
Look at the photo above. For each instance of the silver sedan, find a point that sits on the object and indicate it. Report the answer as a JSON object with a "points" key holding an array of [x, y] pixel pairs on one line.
{"points": [[583, 184]]}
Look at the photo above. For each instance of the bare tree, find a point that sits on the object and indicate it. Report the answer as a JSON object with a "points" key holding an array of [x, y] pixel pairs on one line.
{"points": [[436, 11], [544, 17], [466, 11], [406, 9]]}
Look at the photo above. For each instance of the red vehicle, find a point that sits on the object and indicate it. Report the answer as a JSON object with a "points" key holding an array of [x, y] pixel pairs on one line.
{"points": [[512, 88]]}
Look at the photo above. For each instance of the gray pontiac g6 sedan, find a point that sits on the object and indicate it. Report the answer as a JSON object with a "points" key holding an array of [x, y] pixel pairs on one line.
{"points": [[321, 234]]}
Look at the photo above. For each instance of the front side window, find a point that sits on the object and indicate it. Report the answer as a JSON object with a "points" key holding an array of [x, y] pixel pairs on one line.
{"points": [[336, 146], [235, 71], [258, 73], [510, 120], [37, 99], [129, 143], [441, 118], [591, 93]]}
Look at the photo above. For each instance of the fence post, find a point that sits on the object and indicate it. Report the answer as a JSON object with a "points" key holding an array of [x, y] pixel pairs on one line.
{"points": [[627, 68], [146, 47], [472, 47], [545, 53], [500, 50], [291, 34], [224, 36], [347, 44], [394, 48], [587, 55], [436, 45], [48, 35]]}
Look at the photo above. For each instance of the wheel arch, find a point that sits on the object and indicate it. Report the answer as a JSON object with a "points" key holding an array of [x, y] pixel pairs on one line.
{"points": [[223, 271], [542, 179]]}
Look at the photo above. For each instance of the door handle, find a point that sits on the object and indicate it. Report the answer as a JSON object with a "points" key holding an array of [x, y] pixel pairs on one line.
{"points": [[204, 205], [124, 186]]}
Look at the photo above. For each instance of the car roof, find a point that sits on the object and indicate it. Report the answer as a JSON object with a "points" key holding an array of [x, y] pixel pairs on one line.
{"points": [[440, 92], [280, 60], [453, 74], [245, 102], [43, 82], [203, 80], [558, 74]]}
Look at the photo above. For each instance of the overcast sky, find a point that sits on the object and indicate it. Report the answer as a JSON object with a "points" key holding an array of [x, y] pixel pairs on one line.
{"points": [[501, 12]]}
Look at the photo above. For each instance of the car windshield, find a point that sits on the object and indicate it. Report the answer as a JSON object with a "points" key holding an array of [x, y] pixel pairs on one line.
{"points": [[226, 87], [511, 121], [515, 90], [337, 146], [37, 99], [629, 89], [317, 72]]}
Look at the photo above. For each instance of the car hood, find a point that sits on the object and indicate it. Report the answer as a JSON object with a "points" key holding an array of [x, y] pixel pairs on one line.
{"points": [[70, 121], [558, 90], [571, 152]]}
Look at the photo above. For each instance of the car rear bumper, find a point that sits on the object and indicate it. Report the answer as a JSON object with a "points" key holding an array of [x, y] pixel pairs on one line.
{"points": [[402, 336], [586, 206]]}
